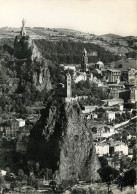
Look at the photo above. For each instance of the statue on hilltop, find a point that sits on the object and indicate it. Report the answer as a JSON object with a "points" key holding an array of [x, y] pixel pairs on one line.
{"points": [[23, 31]]}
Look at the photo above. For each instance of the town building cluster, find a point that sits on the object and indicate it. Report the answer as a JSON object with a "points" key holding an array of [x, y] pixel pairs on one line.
{"points": [[121, 85], [108, 120]]}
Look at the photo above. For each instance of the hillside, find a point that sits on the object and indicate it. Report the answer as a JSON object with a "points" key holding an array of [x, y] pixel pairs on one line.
{"points": [[114, 43], [124, 64], [112, 36]]}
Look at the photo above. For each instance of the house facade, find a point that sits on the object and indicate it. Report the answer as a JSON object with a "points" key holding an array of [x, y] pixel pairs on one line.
{"points": [[113, 75], [110, 115], [102, 149]]}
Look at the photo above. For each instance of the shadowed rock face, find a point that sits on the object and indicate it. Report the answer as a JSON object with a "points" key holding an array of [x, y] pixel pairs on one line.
{"points": [[31, 65], [62, 141], [24, 48]]}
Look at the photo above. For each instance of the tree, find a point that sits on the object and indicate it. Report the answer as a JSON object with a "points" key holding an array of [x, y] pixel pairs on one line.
{"points": [[103, 161], [129, 178], [37, 166], [134, 155], [8, 170], [125, 163], [20, 174], [108, 174], [31, 179], [132, 143]]}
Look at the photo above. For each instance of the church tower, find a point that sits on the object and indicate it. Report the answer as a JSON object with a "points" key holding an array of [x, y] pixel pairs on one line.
{"points": [[68, 86], [133, 94], [84, 61], [23, 31]]}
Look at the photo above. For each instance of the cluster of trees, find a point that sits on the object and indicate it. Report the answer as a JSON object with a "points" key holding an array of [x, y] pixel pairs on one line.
{"points": [[70, 52], [95, 94], [87, 88], [17, 89], [123, 177], [6, 47], [29, 174], [121, 118]]}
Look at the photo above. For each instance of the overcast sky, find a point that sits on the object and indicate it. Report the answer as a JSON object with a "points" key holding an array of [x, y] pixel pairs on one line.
{"points": [[94, 16]]}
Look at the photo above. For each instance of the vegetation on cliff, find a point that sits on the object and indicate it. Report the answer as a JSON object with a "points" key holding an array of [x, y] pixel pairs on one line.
{"points": [[24, 79]]}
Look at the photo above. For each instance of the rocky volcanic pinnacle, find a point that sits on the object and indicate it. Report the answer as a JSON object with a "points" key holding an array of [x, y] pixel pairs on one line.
{"points": [[63, 142], [32, 66]]}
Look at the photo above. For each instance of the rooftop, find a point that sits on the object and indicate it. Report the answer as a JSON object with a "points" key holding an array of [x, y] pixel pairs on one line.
{"points": [[113, 100], [116, 143], [101, 144], [19, 119], [88, 106], [117, 85], [114, 70], [110, 112], [100, 63]]}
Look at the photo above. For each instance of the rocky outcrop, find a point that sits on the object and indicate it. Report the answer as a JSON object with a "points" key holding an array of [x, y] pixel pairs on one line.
{"points": [[24, 48], [63, 142], [31, 64]]}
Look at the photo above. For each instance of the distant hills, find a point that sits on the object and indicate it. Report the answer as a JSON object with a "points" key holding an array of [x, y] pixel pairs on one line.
{"points": [[113, 36], [115, 44]]}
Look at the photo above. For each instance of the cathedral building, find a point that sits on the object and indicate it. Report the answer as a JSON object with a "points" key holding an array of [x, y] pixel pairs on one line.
{"points": [[99, 65]]}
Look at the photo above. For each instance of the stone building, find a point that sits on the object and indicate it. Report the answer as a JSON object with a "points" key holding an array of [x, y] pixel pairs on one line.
{"points": [[72, 67], [110, 115], [131, 76], [112, 102], [68, 89], [114, 93], [113, 75], [16, 125], [133, 94], [84, 61], [89, 109], [121, 107], [81, 77], [99, 65], [68, 86], [102, 149], [118, 147]]}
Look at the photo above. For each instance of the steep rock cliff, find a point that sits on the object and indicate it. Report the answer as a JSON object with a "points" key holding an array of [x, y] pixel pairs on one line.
{"points": [[62, 141], [31, 64]]}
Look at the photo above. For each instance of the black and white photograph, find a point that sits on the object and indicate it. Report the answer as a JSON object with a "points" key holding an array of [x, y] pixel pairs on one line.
{"points": [[68, 96]]}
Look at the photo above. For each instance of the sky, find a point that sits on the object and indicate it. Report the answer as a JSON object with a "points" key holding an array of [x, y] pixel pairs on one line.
{"points": [[93, 16]]}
